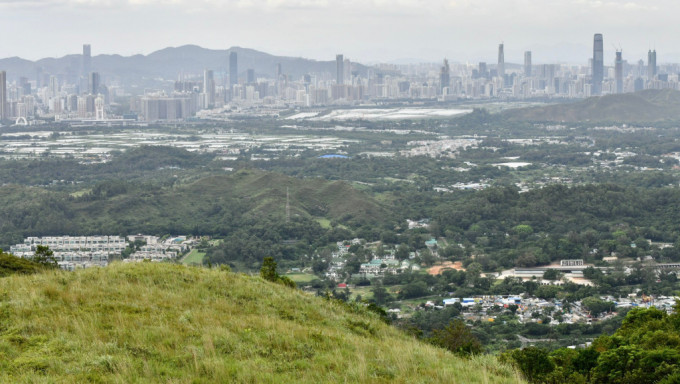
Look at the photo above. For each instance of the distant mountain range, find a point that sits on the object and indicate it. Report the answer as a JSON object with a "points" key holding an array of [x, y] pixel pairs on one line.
{"points": [[169, 63], [650, 105]]}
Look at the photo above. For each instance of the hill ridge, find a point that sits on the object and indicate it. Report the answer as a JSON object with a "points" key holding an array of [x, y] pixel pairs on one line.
{"points": [[650, 105], [157, 322]]}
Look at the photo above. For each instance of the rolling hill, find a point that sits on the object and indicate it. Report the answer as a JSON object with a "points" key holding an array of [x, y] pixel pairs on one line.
{"points": [[169, 63], [148, 322], [645, 106], [213, 205]]}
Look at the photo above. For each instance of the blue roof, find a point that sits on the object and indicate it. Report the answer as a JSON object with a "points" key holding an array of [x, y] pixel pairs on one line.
{"points": [[333, 156]]}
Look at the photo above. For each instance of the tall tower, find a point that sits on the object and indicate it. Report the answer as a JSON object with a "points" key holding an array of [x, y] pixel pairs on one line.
{"points": [[93, 83], [527, 63], [444, 77], [501, 61], [340, 69], [651, 64], [53, 88], [3, 96], [87, 59], [618, 71], [233, 68], [99, 108], [287, 205], [598, 64], [209, 87]]}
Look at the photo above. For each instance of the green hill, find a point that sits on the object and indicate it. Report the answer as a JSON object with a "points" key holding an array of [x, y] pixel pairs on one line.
{"points": [[215, 205], [147, 322], [645, 106]]}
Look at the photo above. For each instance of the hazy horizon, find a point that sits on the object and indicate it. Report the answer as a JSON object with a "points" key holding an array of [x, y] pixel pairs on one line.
{"points": [[364, 31]]}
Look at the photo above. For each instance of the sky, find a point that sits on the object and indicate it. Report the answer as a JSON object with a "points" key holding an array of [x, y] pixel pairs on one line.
{"points": [[366, 31]]}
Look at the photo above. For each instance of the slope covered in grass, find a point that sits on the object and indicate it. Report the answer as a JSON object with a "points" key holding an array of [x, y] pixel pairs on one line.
{"points": [[131, 323]]}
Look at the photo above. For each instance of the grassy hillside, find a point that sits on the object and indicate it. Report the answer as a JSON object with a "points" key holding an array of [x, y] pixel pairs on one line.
{"points": [[10, 265], [213, 205], [644, 106], [133, 323]]}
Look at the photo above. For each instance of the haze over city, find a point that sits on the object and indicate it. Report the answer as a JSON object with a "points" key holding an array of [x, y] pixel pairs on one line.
{"points": [[367, 31]]}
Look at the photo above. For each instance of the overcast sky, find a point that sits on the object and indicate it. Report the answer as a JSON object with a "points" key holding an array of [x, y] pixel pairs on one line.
{"points": [[364, 30]]}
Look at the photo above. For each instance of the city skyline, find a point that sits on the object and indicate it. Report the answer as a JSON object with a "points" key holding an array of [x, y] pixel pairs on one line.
{"points": [[319, 29]]}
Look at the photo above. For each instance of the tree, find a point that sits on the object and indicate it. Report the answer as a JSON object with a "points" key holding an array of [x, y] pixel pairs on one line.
{"points": [[552, 274], [44, 255], [268, 272], [533, 362], [402, 252], [414, 289], [457, 338], [596, 306], [380, 294]]}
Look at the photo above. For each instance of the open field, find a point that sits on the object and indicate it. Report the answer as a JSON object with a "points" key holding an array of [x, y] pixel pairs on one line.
{"points": [[301, 277], [193, 258]]}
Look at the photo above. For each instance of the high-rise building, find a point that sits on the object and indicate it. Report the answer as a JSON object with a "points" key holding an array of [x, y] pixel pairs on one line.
{"points": [[209, 87], [3, 96], [501, 61], [483, 71], [618, 72], [340, 69], [279, 72], [93, 83], [53, 87], [598, 64], [651, 64], [527, 63], [87, 59], [444, 77], [233, 68]]}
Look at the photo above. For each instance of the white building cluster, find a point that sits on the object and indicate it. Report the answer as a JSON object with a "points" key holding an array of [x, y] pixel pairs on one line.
{"points": [[72, 252]]}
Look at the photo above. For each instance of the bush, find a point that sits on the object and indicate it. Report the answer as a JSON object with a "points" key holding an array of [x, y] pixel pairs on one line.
{"points": [[457, 338]]}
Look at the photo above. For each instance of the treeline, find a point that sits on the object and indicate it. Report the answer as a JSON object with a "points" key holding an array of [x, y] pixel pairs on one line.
{"points": [[505, 228], [645, 349]]}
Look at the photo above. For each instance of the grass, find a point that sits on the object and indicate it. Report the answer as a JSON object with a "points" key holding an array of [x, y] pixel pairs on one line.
{"points": [[193, 258], [301, 277], [324, 223], [81, 192], [168, 323]]}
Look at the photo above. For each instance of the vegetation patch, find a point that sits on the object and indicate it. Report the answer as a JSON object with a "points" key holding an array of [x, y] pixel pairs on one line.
{"points": [[173, 323]]}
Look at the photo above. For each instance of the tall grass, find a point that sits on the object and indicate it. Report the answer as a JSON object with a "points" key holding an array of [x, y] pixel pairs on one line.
{"points": [[147, 322]]}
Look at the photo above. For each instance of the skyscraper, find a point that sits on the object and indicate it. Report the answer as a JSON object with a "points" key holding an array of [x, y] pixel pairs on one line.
{"points": [[501, 61], [598, 64], [3, 96], [618, 72], [209, 87], [87, 59], [340, 69], [233, 68], [53, 87], [93, 83], [651, 64], [527, 63], [444, 77]]}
